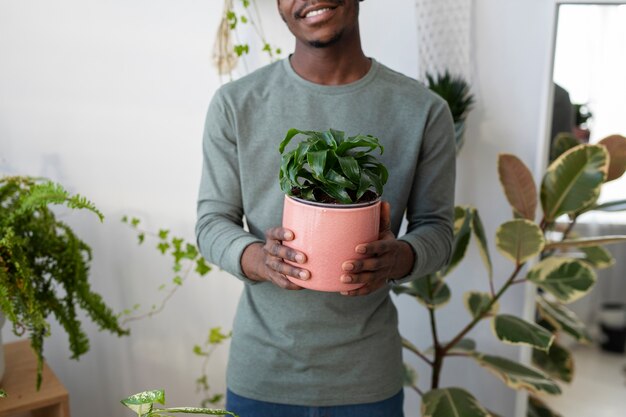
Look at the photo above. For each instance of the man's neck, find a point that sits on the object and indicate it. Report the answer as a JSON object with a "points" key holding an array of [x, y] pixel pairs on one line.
{"points": [[333, 65]]}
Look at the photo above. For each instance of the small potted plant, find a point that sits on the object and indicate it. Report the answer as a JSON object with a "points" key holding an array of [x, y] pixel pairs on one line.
{"points": [[44, 266], [456, 92], [332, 185]]}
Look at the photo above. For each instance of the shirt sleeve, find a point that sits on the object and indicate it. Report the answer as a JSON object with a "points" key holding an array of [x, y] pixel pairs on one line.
{"points": [[219, 228], [430, 210]]}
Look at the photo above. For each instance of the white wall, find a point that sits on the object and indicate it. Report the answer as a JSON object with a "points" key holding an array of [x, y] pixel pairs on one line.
{"points": [[109, 98]]}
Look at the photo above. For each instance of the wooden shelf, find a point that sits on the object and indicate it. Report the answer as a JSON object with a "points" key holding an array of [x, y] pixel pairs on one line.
{"points": [[52, 400]]}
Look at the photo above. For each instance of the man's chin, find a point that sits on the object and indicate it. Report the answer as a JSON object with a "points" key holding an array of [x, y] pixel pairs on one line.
{"points": [[325, 43]]}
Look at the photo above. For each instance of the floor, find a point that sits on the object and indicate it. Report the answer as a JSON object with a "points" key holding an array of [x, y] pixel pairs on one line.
{"points": [[599, 386]]}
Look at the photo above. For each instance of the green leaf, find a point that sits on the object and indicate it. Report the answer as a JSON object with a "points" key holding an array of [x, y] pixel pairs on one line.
{"points": [[163, 234], [572, 182], [519, 240], [431, 291], [317, 162], [409, 378], [216, 336], [611, 206], [476, 303], [537, 408], [290, 134], [202, 267], [562, 143], [141, 237], [163, 247], [566, 278], [197, 350], [462, 235], [585, 242], [562, 318], [350, 168], [142, 403], [177, 280], [135, 222], [479, 232], [451, 402], [519, 185], [516, 375], [516, 331], [598, 257], [3, 393], [557, 362]]}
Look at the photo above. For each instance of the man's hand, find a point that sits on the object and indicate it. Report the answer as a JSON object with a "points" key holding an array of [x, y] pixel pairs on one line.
{"points": [[387, 258], [266, 262]]}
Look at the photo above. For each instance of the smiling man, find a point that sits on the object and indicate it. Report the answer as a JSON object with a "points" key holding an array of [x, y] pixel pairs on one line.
{"points": [[296, 352]]}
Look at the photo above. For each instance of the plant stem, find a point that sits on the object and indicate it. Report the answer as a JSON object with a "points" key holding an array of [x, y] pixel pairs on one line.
{"points": [[416, 389], [479, 317], [437, 363], [419, 355]]}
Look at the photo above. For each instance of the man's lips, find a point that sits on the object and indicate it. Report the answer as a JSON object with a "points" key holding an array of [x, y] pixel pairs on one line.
{"points": [[317, 9]]}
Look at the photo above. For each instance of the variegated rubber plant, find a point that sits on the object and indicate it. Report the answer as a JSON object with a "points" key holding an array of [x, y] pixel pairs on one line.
{"points": [[145, 405], [329, 167], [564, 269]]}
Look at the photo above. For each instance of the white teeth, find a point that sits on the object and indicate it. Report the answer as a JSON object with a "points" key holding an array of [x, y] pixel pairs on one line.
{"points": [[316, 12]]}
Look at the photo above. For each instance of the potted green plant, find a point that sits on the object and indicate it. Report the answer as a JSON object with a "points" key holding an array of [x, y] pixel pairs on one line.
{"points": [[44, 266], [456, 92], [332, 185]]}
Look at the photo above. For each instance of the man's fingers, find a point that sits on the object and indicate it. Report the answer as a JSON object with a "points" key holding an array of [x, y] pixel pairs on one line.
{"points": [[276, 264], [281, 281], [363, 265], [279, 233]]}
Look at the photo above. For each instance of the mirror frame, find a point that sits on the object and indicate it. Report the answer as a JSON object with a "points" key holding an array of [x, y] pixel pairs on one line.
{"points": [[543, 145]]}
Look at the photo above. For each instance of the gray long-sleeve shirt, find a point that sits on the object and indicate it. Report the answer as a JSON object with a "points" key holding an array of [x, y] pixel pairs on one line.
{"points": [[306, 347]]}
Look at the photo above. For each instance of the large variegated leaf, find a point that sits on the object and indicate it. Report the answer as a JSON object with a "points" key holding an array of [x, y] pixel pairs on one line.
{"points": [[519, 240], [409, 378], [616, 145], [537, 408], [516, 375], [519, 186], [516, 331], [585, 242], [566, 278], [477, 303], [562, 318], [142, 403], [572, 182], [462, 235], [451, 402], [479, 232], [557, 362], [598, 257]]}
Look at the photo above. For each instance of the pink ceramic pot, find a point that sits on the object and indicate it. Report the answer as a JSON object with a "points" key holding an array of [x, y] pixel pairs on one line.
{"points": [[328, 234]]}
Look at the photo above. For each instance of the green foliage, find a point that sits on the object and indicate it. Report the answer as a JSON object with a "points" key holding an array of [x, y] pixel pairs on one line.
{"points": [[44, 266], [144, 405], [455, 91], [329, 167], [571, 186], [451, 402]]}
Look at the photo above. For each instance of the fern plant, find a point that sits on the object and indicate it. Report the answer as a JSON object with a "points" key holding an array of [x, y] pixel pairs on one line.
{"points": [[44, 266], [329, 167]]}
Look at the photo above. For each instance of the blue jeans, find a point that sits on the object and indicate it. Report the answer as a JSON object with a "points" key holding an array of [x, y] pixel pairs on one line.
{"points": [[245, 407]]}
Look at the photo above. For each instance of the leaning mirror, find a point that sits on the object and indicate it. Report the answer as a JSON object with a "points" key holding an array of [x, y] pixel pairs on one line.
{"points": [[589, 104]]}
